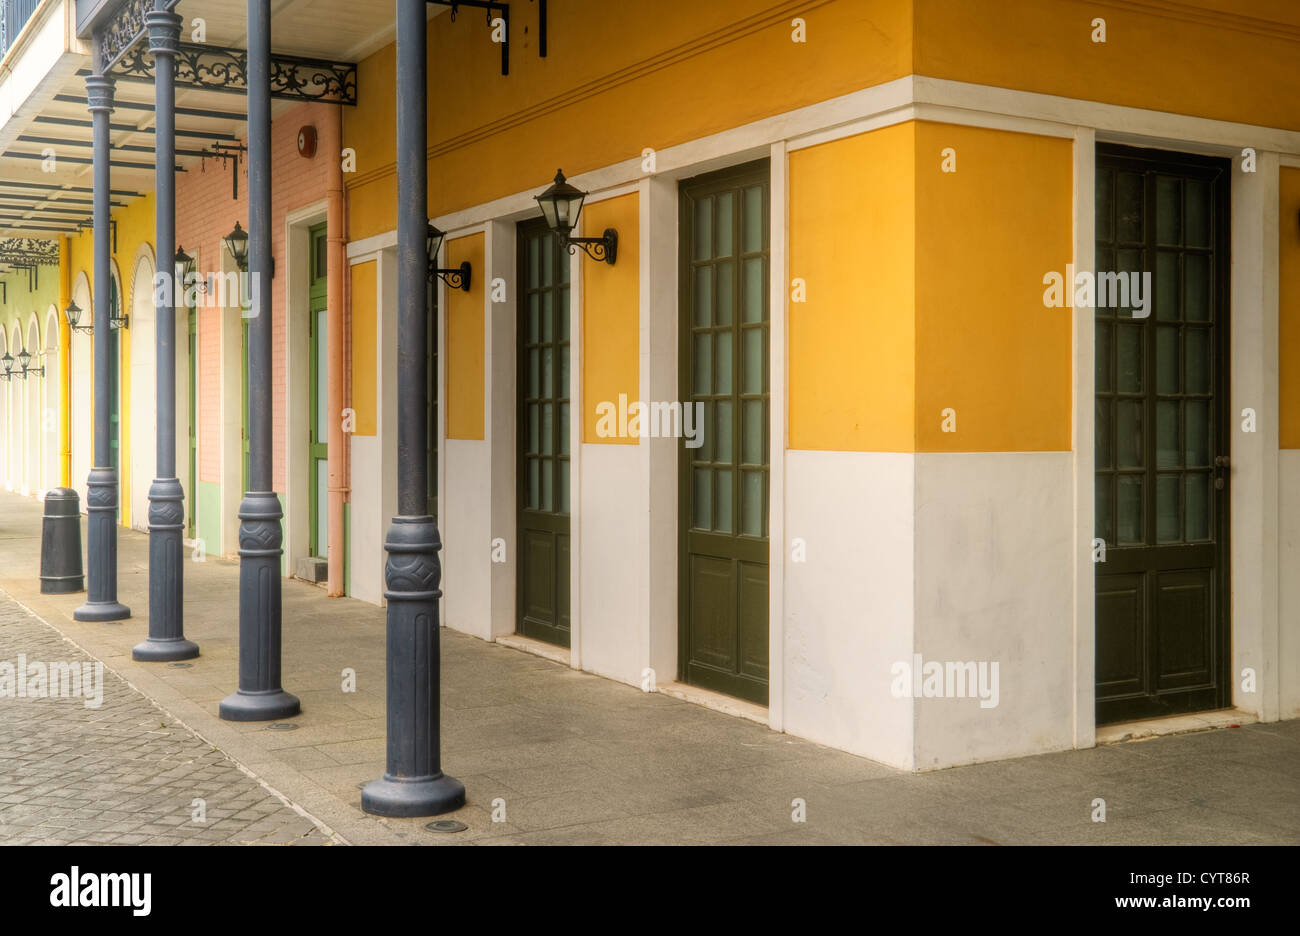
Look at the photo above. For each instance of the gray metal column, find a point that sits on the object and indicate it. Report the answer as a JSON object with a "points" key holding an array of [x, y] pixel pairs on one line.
{"points": [[166, 498], [101, 494], [413, 783], [260, 697]]}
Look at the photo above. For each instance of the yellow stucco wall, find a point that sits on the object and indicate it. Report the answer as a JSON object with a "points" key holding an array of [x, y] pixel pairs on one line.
{"points": [[1288, 344], [611, 313], [647, 89], [364, 357], [986, 347], [465, 353], [924, 292], [852, 340], [135, 226], [1222, 59]]}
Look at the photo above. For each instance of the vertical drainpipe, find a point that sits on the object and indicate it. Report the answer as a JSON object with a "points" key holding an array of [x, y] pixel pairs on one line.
{"points": [[336, 238], [65, 365]]}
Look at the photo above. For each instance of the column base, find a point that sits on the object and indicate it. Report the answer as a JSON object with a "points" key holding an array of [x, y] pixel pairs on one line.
{"points": [[164, 650], [99, 611], [404, 799], [259, 706]]}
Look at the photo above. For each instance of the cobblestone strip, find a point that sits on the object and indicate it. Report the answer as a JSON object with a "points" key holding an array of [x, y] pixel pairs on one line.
{"points": [[120, 773]]}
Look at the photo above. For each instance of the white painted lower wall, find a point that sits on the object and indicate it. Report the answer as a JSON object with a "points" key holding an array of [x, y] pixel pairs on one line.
{"points": [[994, 583], [1288, 674], [366, 533], [614, 573], [466, 530], [849, 608]]}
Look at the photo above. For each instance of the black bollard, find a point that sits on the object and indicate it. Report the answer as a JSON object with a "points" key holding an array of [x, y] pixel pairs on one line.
{"points": [[61, 543]]}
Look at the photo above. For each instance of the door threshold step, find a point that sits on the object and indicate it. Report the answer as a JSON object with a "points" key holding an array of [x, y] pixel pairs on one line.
{"points": [[536, 647], [1172, 724], [718, 701]]}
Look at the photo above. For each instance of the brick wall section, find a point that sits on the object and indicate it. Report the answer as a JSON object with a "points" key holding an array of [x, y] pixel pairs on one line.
{"points": [[205, 213]]}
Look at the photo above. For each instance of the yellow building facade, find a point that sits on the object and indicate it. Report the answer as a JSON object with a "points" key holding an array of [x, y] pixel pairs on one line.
{"points": [[941, 404]]}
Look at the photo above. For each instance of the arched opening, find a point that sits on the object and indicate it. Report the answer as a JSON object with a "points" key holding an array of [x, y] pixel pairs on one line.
{"points": [[81, 412], [14, 480], [32, 388], [4, 417], [51, 440]]}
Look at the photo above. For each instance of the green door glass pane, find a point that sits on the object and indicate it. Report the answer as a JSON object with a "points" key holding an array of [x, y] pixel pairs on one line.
{"points": [[1128, 434], [1129, 207], [1104, 507], [1129, 509], [1196, 350], [1169, 211], [1166, 286], [1103, 364], [1196, 285], [1102, 436], [724, 227], [1196, 227], [1105, 210], [1167, 451], [1168, 360], [1197, 506], [1198, 433], [1129, 340], [1168, 514]]}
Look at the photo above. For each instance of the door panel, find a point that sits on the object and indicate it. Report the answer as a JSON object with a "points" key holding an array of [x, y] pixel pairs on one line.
{"points": [[1161, 436], [318, 417], [723, 488], [191, 492], [115, 391], [543, 427]]}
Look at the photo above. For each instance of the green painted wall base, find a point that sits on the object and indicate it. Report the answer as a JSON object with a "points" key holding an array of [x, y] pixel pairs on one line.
{"points": [[208, 528]]}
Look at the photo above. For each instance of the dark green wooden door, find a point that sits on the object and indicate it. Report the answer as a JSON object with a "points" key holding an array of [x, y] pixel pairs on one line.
{"points": [[115, 390], [1161, 437], [543, 422], [318, 442], [243, 402], [191, 494], [431, 395], [723, 490]]}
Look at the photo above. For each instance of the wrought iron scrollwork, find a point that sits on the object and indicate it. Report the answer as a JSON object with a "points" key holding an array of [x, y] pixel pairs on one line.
{"points": [[26, 252], [309, 79], [122, 31], [217, 68]]}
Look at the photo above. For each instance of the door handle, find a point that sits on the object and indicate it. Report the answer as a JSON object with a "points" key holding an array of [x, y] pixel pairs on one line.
{"points": [[1221, 462]]}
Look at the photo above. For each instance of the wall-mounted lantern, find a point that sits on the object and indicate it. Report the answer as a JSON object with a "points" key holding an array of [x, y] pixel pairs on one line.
{"points": [[237, 244], [185, 267], [73, 314], [561, 204], [455, 277], [8, 363], [25, 360]]}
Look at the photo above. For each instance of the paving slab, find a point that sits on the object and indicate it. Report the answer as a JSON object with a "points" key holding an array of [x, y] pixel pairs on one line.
{"points": [[549, 755]]}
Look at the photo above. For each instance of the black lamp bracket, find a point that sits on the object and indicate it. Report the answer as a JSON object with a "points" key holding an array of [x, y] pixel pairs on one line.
{"points": [[454, 277], [603, 248]]}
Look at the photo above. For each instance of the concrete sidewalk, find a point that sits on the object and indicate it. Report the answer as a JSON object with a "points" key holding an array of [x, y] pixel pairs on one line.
{"points": [[568, 757]]}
